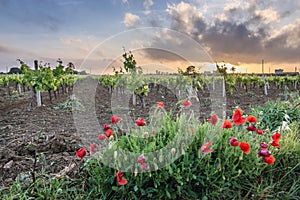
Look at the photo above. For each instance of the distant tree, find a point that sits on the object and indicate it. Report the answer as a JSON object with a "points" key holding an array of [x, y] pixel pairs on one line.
{"points": [[233, 69], [180, 71], [83, 73], [222, 69], [71, 65], [59, 61], [190, 70], [15, 70]]}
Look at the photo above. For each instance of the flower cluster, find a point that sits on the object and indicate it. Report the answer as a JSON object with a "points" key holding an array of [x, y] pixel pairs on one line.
{"points": [[265, 153], [109, 134], [239, 119]]}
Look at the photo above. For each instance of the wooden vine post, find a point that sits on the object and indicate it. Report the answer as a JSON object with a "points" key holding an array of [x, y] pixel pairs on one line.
{"points": [[38, 93], [264, 78]]}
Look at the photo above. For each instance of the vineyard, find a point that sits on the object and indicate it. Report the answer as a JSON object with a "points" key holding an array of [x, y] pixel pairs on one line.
{"points": [[238, 86], [43, 157]]}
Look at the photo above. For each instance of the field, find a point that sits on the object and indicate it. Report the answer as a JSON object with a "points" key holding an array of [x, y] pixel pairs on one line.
{"points": [[38, 148]]}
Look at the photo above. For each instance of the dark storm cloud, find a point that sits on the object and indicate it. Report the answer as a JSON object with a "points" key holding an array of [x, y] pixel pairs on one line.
{"points": [[230, 38], [244, 34], [286, 45]]}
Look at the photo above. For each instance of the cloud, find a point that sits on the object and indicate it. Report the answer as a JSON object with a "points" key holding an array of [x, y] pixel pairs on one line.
{"points": [[131, 20], [186, 18], [12, 50], [285, 43], [243, 31], [288, 35], [68, 41], [268, 15], [6, 50], [147, 4]]}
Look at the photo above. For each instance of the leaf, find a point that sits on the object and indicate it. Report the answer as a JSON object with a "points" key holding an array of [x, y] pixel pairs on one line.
{"points": [[135, 188], [150, 146], [114, 188], [168, 194]]}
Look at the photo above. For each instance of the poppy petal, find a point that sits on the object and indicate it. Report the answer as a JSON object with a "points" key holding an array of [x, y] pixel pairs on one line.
{"points": [[245, 147]]}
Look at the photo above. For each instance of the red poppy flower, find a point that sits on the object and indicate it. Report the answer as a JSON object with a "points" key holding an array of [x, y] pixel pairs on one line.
{"points": [[276, 144], [102, 136], [245, 147], [213, 119], [94, 148], [187, 103], [227, 124], [259, 131], [120, 179], [270, 160], [115, 119], [264, 145], [145, 166], [251, 128], [276, 137], [234, 142], [153, 132], [264, 153], [141, 159], [252, 119], [160, 104], [81, 152], [141, 122], [106, 127], [206, 148], [109, 132], [238, 118]]}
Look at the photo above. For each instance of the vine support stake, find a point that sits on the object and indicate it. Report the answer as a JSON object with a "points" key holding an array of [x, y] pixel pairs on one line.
{"points": [[38, 93], [264, 78]]}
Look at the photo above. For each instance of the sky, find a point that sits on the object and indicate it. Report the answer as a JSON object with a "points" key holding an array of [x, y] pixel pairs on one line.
{"points": [[162, 35]]}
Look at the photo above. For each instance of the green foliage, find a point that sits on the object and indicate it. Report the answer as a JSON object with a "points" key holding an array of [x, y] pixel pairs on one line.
{"points": [[227, 173], [44, 78], [129, 63], [71, 104], [222, 69], [276, 115], [109, 80]]}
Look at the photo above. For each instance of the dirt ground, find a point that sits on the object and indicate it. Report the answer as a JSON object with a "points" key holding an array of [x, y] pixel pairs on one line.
{"points": [[44, 140]]}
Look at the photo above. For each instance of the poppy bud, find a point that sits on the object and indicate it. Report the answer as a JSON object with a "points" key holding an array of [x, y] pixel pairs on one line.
{"points": [[264, 153], [264, 145], [234, 142], [173, 151]]}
